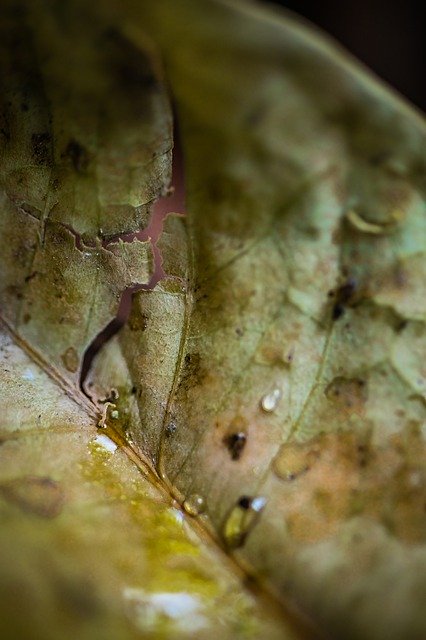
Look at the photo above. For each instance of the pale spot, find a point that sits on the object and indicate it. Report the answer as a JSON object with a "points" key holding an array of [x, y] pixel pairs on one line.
{"points": [[151, 611], [270, 401], [361, 224], [106, 443]]}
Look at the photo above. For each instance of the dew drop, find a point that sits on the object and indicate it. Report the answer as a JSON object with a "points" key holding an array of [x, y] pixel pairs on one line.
{"points": [[194, 505], [293, 460], [270, 401], [241, 520]]}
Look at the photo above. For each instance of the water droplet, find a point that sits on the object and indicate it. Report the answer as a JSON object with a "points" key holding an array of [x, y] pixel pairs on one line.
{"points": [[270, 401], [194, 505], [241, 520], [294, 459]]}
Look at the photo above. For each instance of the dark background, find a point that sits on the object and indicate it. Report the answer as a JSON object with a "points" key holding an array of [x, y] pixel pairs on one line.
{"points": [[389, 37]]}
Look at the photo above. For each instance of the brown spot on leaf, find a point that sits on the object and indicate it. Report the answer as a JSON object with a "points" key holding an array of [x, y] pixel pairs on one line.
{"points": [[349, 394], [78, 156], [343, 297], [295, 459], [235, 443], [351, 477], [70, 359], [37, 495]]}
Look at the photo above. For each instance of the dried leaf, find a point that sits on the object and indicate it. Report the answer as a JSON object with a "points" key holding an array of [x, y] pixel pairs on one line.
{"points": [[290, 321], [273, 380]]}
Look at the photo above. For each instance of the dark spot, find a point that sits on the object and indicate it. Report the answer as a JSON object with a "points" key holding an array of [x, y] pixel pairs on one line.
{"points": [[112, 396], [30, 276], [36, 495], [133, 390], [239, 332], [78, 155], [362, 455], [344, 296], [235, 443], [24, 107], [26, 318], [170, 429], [338, 311], [41, 150], [244, 502], [401, 326], [5, 133]]}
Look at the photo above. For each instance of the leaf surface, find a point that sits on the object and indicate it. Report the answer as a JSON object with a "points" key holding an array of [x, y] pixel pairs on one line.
{"points": [[280, 352], [273, 381]]}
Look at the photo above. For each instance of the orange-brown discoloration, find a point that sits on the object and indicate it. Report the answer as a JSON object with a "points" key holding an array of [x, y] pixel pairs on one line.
{"points": [[351, 477]]}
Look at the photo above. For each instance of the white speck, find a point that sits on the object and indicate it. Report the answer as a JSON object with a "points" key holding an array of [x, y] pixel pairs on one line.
{"points": [[28, 375], [106, 443], [258, 503], [149, 610], [178, 515], [415, 479], [270, 401]]}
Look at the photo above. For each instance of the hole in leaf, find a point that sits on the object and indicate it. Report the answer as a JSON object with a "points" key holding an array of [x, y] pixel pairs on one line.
{"points": [[174, 201]]}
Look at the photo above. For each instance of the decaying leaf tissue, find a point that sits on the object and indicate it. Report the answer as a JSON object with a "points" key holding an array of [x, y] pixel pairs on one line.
{"points": [[245, 458]]}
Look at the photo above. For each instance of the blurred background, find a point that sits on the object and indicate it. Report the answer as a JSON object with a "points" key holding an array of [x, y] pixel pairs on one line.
{"points": [[388, 36]]}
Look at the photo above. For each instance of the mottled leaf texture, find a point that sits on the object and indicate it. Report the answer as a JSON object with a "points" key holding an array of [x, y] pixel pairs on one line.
{"points": [[273, 383], [85, 123], [90, 547]]}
